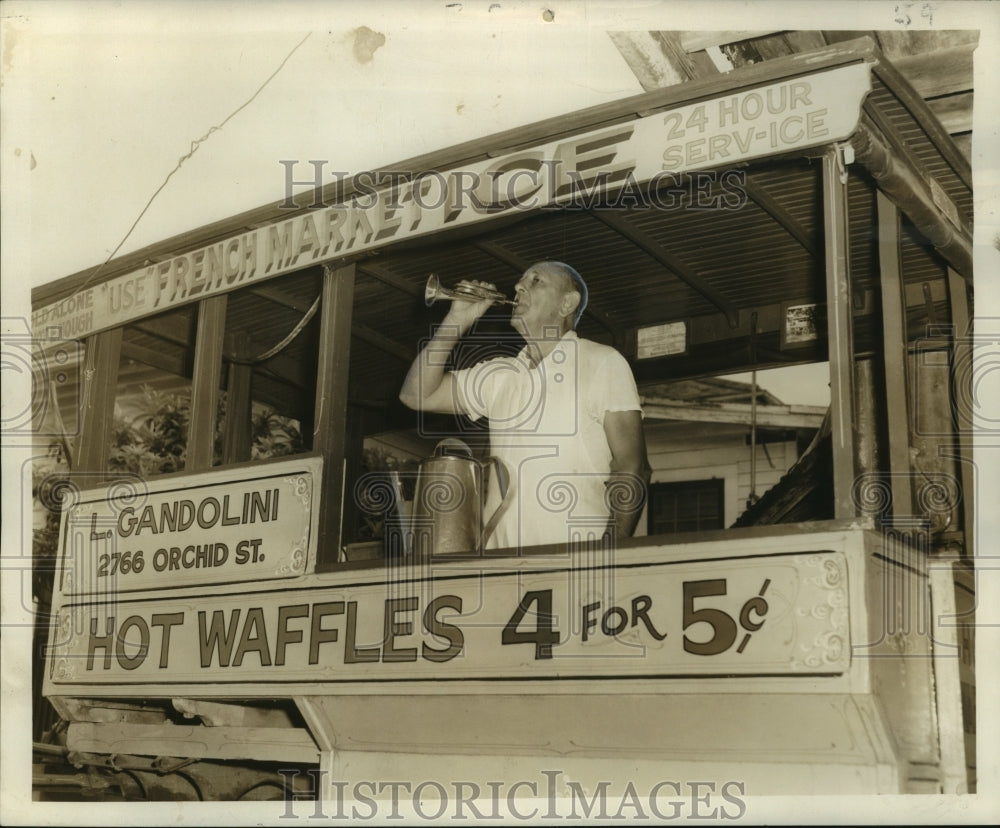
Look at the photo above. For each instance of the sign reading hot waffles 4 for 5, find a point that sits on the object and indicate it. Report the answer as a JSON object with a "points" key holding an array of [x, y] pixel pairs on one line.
{"points": [[780, 614], [213, 528]]}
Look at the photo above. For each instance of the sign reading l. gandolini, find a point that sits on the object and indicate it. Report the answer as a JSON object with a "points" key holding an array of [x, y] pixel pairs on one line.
{"points": [[218, 527]]}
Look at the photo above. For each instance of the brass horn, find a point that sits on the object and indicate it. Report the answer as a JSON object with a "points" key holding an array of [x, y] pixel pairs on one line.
{"points": [[434, 290]]}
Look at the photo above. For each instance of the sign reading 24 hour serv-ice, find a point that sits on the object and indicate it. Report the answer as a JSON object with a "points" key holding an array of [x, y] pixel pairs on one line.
{"points": [[778, 614], [389, 206], [211, 528]]}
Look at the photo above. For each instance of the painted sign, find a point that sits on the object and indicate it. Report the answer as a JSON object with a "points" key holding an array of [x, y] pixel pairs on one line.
{"points": [[631, 158], [769, 615], [213, 528], [661, 340]]}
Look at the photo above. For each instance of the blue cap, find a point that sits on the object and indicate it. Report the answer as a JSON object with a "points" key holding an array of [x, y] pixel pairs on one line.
{"points": [[579, 285]]}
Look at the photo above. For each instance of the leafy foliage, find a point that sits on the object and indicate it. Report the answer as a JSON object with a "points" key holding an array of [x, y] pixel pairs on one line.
{"points": [[155, 440], [274, 436]]}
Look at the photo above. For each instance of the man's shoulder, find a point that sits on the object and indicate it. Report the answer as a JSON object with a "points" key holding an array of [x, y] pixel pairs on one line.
{"points": [[589, 349]]}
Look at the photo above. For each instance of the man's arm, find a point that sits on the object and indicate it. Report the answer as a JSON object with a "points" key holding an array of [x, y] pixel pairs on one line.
{"points": [[630, 470], [428, 387]]}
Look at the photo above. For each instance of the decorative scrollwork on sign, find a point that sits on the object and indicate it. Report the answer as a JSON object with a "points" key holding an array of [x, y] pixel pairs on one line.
{"points": [[825, 649], [823, 617], [301, 488], [65, 670], [64, 625], [833, 575], [296, 563]]}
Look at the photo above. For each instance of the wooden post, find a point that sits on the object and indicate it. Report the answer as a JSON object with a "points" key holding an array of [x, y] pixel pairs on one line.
{"points": [[237, 434], [961, 361], [934, 454], [894, 349], [947, 679], [330, 423], [99, 381], [205, 383], [867, 410], [840, 335], [353, 464]]}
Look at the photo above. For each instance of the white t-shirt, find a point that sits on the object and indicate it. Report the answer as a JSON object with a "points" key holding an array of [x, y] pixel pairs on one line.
{"points": [[547, 427]]}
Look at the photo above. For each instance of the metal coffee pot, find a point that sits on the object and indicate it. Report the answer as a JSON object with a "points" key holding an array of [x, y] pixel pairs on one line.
{"points": [[450, 499]]}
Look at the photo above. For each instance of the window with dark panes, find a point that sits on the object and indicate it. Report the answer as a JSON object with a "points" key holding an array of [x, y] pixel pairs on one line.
{"points": [[268, 380], [686, 506], [153, 398]]}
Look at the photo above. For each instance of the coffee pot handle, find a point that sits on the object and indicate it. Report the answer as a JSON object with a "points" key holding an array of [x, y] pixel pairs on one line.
{"points": [[504, 483], [501, 472]]}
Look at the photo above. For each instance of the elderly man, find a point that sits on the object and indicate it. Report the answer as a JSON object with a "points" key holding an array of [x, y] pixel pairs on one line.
{"points": [[564, 414]]}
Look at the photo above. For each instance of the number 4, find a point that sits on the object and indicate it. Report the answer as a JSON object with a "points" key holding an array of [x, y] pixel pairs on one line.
{"points": [[697, 119], [543, 636]]}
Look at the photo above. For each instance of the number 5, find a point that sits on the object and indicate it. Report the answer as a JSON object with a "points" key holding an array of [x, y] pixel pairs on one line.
{"points": [[722, 624]]}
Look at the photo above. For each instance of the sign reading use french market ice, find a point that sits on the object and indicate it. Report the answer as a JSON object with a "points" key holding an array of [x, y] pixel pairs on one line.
{"points": [[779, 614], [217, 527], [804, 112]]}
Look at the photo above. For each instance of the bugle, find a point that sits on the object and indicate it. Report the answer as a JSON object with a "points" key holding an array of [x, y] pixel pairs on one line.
{"points": [[434, 290]]}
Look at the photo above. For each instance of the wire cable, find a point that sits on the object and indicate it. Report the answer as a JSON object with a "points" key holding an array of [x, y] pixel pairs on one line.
{"points": [[195, 144], [270, 352]]}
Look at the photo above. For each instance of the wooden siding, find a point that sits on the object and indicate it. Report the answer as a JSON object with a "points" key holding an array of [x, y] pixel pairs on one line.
{"points": [[684, 451]]}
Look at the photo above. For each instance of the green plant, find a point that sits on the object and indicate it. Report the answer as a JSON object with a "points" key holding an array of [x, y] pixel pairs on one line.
{"points": [[274, 435], [154, 441]]}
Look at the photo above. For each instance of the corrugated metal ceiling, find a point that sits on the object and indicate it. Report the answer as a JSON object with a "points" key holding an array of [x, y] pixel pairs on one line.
{"points": [[725, 263]]}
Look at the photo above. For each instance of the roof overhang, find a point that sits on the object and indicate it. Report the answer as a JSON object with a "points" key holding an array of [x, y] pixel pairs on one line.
{"points": [[844, 97]]}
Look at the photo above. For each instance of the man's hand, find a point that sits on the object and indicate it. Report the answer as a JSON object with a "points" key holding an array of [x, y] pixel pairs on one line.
{"points": [[464, 314], [427, 386]]}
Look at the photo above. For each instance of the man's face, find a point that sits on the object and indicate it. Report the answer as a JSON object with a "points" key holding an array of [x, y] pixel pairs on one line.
{"points": [[541, 300]]}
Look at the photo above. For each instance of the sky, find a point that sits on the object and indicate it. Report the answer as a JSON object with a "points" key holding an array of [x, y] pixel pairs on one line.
{"points": [[126, 123], [109, 108]]}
